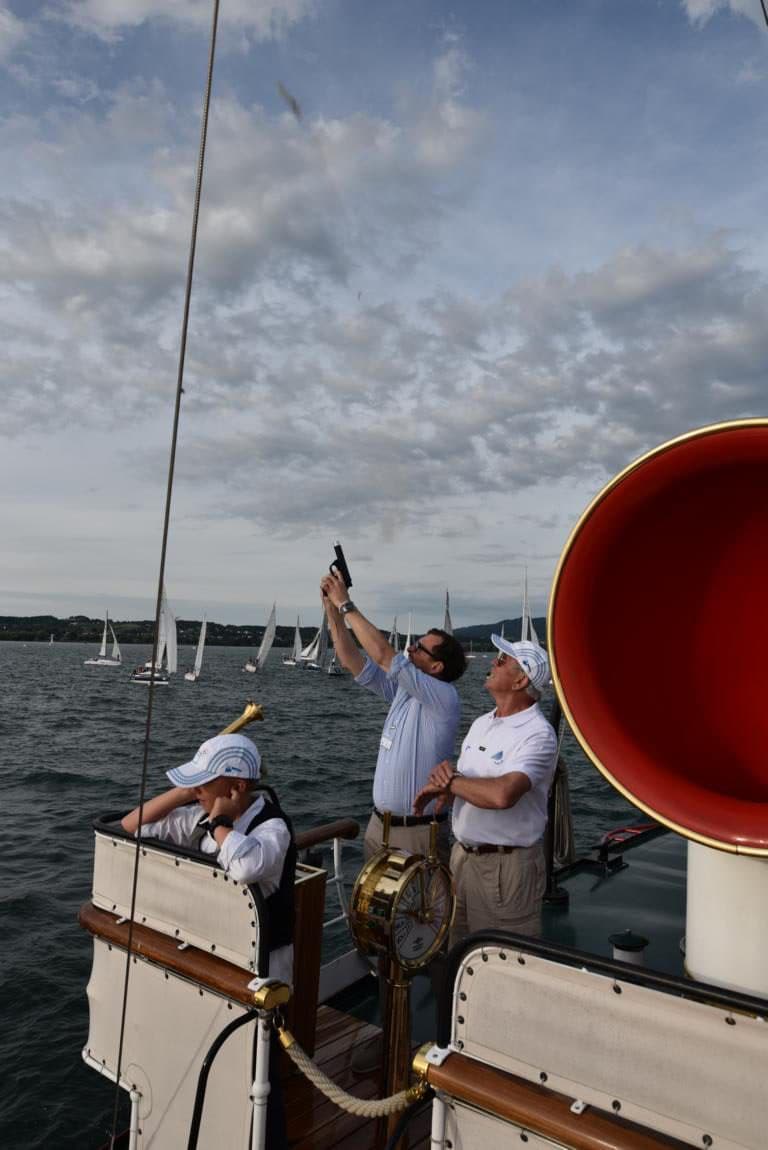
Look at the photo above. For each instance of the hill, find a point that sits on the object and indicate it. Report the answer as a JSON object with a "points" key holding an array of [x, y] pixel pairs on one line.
{"points": [[81, 629]]}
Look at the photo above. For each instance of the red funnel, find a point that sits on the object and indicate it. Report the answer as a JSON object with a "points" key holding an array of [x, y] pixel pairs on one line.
{"points": [[659, 634]]}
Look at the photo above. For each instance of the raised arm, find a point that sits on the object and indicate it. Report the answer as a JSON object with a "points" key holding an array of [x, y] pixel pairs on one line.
{"points": [[369, 636], [346, 648], [158, 807]]}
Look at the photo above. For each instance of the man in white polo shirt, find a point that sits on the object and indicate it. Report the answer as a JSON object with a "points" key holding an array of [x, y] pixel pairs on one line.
{"points": [[499, 790]]}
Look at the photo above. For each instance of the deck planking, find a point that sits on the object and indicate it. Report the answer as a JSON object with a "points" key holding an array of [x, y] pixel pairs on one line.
{"points": [[313, 1122]]}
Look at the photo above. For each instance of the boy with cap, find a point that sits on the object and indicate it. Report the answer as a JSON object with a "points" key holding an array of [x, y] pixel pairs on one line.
{"points": [[214, 808], [499, 791]]}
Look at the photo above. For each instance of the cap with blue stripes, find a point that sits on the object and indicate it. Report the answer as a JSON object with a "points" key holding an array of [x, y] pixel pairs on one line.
{"points": [[532, 658], [230, 756]]}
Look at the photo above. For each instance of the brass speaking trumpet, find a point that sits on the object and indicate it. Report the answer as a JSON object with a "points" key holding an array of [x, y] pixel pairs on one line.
{"points": [[253, 713]]}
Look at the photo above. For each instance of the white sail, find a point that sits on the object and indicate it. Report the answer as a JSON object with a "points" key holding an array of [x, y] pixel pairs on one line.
{"points": [[447, 625], [200, 647], [393, 636], [50, 641], [115, 653], [103, 647], [525, 615], [296, 652], [169, 635], [315, 652], [267, 638], [409, 636]]}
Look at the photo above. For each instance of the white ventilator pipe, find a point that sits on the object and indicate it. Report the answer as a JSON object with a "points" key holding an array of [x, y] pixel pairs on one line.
{"points": [[260, 1088], [726, 929]]}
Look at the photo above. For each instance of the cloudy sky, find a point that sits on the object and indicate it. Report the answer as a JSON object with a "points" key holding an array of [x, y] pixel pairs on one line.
{"points": [[506, 247]]}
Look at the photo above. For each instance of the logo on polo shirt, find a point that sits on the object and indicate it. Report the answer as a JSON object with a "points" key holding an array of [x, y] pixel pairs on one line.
{"points": [[497, 757]]}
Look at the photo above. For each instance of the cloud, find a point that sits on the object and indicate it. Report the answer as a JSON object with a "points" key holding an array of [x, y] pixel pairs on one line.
{"points": [[700, 11], [261, 19], [12, 32]]}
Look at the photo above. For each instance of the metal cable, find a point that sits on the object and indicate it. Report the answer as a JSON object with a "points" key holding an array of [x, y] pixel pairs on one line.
{"points": [[164, 547]]}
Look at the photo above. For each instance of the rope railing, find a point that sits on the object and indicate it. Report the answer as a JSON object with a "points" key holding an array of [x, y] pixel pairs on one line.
{"points": [[362, 1107]]}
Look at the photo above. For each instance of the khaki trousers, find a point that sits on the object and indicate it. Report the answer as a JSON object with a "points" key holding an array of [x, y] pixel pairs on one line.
{"points": [[415, 839], [498, 891]]}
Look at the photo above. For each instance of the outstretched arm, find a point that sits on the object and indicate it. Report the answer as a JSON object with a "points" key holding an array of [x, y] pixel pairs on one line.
{"points": [[369, 636], [346, 648], [158, 807]]}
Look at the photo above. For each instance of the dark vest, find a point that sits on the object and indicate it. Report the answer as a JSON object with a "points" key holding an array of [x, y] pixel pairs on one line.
{"points": [[277, 921]]}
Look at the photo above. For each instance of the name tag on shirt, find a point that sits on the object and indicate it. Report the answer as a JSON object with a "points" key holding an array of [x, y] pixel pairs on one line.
{"points": [[386, 743]]}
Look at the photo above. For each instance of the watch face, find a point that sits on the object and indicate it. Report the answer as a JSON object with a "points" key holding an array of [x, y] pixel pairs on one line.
{"points": [[422, 915]]}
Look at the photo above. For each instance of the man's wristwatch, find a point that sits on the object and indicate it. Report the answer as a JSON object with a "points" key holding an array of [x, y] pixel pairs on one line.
{"points": [[220, 821], [345, 608]]}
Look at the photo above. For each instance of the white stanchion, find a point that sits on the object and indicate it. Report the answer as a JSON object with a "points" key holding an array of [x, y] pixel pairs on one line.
{"points": [[261, 1088]]}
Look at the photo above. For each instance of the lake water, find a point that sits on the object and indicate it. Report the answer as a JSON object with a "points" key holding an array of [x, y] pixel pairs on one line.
{"points": [[73, 747]]}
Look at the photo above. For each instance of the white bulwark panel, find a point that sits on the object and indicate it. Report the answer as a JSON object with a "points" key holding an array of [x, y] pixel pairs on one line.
{"points": [[470, 1129], [171, 1023], [189, 900], [669, 1062]]}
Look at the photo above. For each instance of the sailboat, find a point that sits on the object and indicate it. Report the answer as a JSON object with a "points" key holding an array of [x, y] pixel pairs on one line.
{"points": [[50, 641], [447, 624], [115, 659], [394, 637], [313, 655], [527, 629], [166, 650], [470, 654], [265, 646], [293, 659], [334, 667], [409, 636], [193, 675]]}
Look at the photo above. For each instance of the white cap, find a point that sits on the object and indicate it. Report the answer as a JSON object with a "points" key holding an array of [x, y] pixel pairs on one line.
{"points": [[532, 658], [233, 756]]}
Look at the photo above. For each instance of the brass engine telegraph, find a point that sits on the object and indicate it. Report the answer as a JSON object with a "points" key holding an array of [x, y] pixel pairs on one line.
{"points": [[401, 911]]}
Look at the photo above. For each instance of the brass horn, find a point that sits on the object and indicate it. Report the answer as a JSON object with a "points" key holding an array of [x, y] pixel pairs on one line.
{"points": [[253, 713]]}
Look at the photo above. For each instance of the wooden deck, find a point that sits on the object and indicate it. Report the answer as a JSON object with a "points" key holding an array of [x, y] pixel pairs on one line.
{"points": [[314, 1123]]}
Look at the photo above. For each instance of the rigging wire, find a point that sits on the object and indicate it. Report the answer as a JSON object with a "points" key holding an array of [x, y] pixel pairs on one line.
{"points": [[765, 12], [164, 547]]}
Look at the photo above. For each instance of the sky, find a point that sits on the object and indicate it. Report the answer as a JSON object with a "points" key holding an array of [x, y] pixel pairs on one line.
{"points": [[504, 248]]}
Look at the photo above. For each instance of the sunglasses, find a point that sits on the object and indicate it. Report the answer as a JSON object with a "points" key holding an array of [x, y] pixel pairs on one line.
{"points": [[419, 646]]}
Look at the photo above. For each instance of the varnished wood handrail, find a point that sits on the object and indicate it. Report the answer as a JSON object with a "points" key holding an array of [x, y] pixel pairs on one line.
{"points": [[340, 829], [539, 1110], [192, 962]]}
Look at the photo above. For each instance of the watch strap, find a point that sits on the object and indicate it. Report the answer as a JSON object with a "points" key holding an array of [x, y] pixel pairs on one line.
{"points": [[345, 608], [220, 821]]}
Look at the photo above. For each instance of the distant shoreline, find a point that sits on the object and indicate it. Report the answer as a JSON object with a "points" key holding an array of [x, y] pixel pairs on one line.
{"points": [[81, 629]]}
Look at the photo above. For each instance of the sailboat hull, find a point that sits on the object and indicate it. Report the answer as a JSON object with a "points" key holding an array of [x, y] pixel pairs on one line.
{"points": [[102, 663]]}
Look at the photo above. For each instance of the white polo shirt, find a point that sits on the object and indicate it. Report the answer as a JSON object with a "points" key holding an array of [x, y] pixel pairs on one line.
{"points": [[524, 742]]}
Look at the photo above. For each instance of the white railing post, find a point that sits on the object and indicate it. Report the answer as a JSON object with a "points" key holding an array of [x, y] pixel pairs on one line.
{"points": [[437, 1133], [260, 1088], [133, 1126]]}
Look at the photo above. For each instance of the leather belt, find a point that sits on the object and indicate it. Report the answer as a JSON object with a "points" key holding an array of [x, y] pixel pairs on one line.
{"points": [[411, 820], [488, 849]]}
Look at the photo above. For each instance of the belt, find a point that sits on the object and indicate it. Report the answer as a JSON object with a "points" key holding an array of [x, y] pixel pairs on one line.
{"points": [[488, 849], [411, 820]]}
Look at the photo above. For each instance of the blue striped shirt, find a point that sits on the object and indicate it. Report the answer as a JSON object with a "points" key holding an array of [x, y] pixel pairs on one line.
{"points": [[419, 732]]}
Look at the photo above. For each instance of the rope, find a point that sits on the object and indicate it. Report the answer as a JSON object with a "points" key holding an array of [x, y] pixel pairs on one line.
{"points": [[563, 840], [163, 551], [363, 1107]]}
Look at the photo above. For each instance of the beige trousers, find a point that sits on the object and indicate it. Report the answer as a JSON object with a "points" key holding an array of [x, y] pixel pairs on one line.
{"points": [[415, 839], [498, 891]]}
